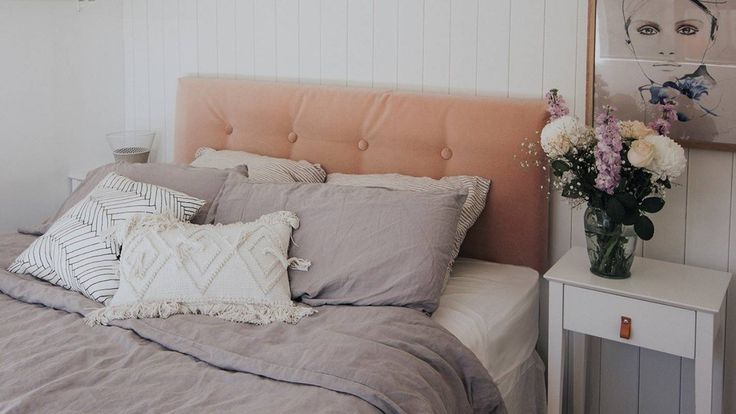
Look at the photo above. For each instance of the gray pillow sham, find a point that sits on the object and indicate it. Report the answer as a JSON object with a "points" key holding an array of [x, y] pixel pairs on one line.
{"points": [[368, 246], [477, 188], [262, 168], [202, 183]]}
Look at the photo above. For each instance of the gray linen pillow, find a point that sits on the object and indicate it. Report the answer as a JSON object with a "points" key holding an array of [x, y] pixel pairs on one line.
{"points": [[477, 188], [202, 183], [368, 246]]}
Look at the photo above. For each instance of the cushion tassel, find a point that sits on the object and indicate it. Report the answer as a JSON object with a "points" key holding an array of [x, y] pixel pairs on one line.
{"points": [[253, 313]]}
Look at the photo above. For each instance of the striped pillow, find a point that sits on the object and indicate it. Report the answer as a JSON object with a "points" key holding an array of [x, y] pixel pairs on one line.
{"points": [[477, 188], [78, 253], [261, 169]]}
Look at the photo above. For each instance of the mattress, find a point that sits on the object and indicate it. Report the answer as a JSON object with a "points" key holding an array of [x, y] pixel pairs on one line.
{"points": [[494, 310]]}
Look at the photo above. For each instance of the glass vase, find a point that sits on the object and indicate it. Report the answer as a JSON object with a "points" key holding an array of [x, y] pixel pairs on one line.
{"points": [[610, 246]]}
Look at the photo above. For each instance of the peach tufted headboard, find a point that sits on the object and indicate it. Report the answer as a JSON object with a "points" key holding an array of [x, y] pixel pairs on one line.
{"points": [[381, 131]]}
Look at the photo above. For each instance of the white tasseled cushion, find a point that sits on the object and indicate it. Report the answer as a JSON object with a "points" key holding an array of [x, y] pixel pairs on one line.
{"points": [[236, 272]]}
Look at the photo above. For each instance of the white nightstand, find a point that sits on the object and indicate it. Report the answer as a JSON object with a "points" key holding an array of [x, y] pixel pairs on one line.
{"points": [[665, 307], [75, 179]]}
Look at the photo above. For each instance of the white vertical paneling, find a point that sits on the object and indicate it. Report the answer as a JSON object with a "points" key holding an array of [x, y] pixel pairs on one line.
{"points": [[310, 42], [707, 228], [578, 100], [619, 388], [188, 42], [334, 42], [463, 46], [171, 73], [526, 53], [563, 58], [360, 43], [226, 36], [494, 29], [264, 27], [659, 375], [207, 37], [410, 44], [129, 53], [729, 381], [557, 75], [385, 42], [668, 242], [156, 91], [139, 11], [581, 69], [437, 17], [287, 40], [244, 42], [560, 225], [577, 233]]}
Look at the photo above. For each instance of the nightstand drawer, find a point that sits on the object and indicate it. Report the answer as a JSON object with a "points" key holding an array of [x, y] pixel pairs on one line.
{"points": [[654, 326]]}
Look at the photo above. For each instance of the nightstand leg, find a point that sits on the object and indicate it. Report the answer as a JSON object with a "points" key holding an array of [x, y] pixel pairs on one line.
{"points": [[556, 350], [709, 363], [579, 365]]}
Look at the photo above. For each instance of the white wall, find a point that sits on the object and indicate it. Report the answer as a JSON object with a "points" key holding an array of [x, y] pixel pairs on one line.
{"points": [[488, 47], [61, 89]]}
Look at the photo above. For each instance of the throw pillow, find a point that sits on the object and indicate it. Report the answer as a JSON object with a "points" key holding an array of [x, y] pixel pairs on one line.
{"points": [[77, 252]]}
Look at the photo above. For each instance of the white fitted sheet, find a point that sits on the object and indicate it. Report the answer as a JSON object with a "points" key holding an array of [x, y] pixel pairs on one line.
{"points": [[494, 310]]}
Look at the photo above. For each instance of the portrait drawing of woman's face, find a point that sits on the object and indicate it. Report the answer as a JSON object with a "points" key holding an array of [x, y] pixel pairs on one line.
{"points": [[658, 54]]}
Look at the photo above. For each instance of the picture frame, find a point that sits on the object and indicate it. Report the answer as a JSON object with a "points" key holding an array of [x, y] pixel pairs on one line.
{"points": [[643, 54]]}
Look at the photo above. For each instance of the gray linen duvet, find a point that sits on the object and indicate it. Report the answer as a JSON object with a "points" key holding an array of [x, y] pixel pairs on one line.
{"points": [[341, 360]]}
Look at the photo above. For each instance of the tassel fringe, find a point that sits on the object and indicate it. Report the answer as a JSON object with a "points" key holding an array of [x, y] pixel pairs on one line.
{"points": [[253, 313], [280, 217], [297, 263]]}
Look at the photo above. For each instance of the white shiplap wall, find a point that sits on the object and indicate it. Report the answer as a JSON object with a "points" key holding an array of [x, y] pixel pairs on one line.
{"points": [[61, 91], [485, 47]]}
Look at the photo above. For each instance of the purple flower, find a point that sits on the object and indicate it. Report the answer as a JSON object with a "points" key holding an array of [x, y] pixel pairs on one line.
{"points": [[663, 124], [556, 105], [608, 151]]}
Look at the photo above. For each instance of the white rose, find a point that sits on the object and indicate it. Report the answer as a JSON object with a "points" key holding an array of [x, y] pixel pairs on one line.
{"points": [[566, 129], [641, 154], [634, 129], [669, 157]]}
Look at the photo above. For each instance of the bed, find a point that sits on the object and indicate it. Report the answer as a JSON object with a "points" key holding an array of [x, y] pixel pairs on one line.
{"points": [[354, 359]]}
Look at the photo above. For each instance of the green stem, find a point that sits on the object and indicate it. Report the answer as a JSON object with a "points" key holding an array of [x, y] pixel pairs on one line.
{"points": [[613, 242]]}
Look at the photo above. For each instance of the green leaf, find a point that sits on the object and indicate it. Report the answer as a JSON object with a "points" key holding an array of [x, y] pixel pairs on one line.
{"points": [[559, 166], [628, 200], [615, 210], [644, 228], [652, 204], [630, 219]]}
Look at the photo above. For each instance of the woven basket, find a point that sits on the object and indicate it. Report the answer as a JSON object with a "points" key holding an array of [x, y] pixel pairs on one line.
{"points": [[131, 146]]}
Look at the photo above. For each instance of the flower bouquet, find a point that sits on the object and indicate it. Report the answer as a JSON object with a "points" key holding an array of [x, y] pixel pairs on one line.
{"points": [[621, 169]]}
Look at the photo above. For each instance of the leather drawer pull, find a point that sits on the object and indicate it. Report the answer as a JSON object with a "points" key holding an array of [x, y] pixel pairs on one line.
{"points": [[625, 331]]}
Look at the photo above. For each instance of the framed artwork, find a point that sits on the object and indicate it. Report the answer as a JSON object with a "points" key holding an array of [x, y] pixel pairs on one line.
{"points": [[645, 56]]}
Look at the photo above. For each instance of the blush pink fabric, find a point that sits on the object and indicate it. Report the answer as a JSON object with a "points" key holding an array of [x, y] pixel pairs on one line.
{"points": [[362, 131]]}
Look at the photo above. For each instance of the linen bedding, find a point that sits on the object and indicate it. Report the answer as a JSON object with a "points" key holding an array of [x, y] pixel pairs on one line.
{"points": [[343, 359]]}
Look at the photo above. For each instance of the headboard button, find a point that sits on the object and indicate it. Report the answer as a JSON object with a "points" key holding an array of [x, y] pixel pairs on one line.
{"points": [[446, 153], [292, 137], [362, 145], [229, 129]]}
